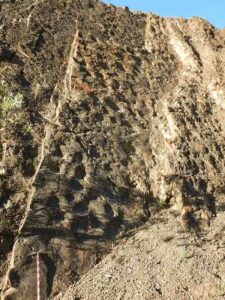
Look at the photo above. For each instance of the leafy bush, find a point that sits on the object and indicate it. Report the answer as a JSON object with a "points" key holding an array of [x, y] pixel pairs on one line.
{"points": [[9, 101], [161, 203]]}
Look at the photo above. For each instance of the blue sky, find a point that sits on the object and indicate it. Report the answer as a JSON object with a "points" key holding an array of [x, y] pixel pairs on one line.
{"points": [[211, 10]]}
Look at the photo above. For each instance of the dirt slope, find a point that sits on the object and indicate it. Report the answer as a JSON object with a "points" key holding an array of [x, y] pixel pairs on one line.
{"points": [[107, 117], [159, 262]]}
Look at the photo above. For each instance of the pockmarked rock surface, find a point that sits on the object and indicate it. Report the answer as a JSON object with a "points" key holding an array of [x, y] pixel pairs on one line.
{"points": [[107, 118]]}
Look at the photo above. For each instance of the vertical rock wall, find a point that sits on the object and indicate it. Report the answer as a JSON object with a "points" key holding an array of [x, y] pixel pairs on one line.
{"points": [[126, 113]]}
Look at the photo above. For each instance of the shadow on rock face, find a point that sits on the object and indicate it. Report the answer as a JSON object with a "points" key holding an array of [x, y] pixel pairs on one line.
{"points": [[51, 269], [27, 289]]}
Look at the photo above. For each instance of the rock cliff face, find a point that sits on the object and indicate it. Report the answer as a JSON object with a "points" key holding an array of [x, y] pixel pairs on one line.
{"points": [[122, 116]]}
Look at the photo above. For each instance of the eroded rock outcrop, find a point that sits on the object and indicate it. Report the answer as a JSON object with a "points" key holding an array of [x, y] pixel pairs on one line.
{"points": [[125, 113]]}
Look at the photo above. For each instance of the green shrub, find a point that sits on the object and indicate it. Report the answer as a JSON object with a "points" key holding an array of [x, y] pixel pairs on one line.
{"points": [[8, 101], [161, 203]]}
